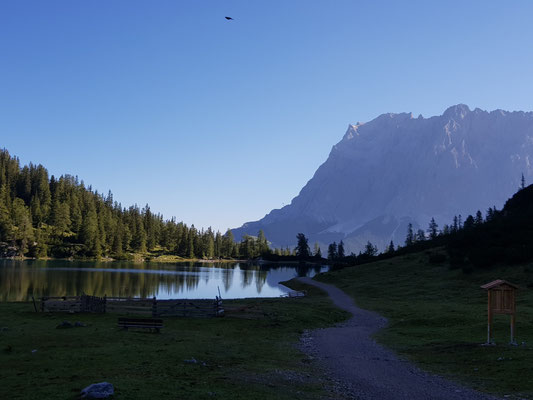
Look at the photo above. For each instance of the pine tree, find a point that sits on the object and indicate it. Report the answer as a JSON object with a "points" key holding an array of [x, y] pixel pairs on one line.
{"points": [[340, 250], [455, 225], [316, 250], [302, 247], [332, 251], [469, 222], [410, 238], [22, 226], [370, 250], [89, 233], [6, 224], [478, 220], [262, 243], [210, 248], [433, 229]]}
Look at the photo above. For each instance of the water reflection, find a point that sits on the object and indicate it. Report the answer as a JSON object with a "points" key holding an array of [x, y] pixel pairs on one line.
{"points": [[19, 280]]}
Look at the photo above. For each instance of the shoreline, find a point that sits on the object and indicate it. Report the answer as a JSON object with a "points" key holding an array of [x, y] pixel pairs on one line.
{"points": [[165, 260]]}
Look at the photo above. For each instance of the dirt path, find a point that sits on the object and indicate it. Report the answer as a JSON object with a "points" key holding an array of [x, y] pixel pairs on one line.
{"points": [[367, 370]]}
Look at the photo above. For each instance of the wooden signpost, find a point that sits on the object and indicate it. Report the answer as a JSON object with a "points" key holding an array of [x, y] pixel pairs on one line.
{"points": [[501, 300]]}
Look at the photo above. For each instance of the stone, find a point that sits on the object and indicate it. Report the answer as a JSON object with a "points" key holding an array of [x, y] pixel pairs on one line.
{"points": [[79, 324], [64, 325], [101, 390]]}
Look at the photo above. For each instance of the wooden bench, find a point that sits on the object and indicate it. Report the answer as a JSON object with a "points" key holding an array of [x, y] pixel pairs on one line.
{"points": [[146, 323]]}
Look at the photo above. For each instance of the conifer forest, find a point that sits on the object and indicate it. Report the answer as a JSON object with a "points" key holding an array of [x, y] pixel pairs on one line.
{"points": [[44, 216]]}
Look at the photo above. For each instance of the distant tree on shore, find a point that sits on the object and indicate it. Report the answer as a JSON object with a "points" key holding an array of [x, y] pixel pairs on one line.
{"points": [[302, 247], [332, 251], [317, 252], [340, 250]]}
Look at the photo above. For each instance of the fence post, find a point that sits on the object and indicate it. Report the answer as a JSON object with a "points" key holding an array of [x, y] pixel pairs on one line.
{"points": [[154, 307], [105, 302]]}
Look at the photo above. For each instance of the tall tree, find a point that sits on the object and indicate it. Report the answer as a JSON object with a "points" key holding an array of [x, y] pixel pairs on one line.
{"points": [[410, 238], [332, 251], [340, 249], [302, 246], [316, 250], [370, 250], [433, 229]]}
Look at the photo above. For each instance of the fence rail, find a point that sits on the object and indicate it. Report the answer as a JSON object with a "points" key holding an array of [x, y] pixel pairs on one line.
{"points": [[139, 306]]}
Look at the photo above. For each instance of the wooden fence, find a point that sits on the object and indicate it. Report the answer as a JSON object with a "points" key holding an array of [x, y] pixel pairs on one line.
{"points": [[138, 306]]}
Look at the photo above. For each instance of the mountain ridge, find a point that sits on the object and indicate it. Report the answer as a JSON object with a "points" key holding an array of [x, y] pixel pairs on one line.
{"points": [[397, 169]]}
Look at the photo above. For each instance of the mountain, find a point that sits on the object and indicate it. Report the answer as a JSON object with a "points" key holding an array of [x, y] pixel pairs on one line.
{"points": [[397, 169]]}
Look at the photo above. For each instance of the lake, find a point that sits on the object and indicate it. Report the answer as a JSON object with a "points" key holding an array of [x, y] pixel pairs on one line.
{"points": [[19, 280]]}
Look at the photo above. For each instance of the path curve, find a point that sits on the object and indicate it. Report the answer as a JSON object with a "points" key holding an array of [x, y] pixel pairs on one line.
{"points": [[368, 370]]}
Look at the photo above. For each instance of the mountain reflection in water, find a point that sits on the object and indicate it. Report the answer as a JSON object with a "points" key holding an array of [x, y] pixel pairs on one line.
{"points": [[19, 280]]}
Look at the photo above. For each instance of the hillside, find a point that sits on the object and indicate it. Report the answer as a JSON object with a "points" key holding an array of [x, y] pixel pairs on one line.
{"points": [[42, 216]]}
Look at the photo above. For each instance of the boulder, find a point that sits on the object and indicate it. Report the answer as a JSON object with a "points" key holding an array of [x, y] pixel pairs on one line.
{"points": [[64, 325], [101, 390]]}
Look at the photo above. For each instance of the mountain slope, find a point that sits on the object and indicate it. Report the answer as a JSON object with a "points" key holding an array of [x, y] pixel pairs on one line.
{"points": [[398, 169]]}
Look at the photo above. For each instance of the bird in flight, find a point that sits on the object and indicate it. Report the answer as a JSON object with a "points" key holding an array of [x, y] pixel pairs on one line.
{"points": [[229, 18]]}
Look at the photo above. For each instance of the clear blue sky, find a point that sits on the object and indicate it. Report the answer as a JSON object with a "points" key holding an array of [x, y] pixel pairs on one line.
{"points": [[217, 122]]}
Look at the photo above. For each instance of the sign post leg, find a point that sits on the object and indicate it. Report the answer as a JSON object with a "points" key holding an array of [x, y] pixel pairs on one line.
{"points": [[513, 320]]}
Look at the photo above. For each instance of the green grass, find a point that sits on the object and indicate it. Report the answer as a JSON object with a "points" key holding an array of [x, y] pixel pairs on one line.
{"points": [[437, 318], [250, 353]]}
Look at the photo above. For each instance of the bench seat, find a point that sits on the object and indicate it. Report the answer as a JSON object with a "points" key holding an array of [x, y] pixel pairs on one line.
{"points": [[143, 323]]}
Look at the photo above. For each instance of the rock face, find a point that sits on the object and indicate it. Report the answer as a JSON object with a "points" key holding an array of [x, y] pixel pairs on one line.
{"points": [[397, 169]]}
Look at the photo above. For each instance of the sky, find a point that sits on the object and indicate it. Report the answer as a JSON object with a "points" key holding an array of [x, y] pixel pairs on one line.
{"points": [[218, 122]]}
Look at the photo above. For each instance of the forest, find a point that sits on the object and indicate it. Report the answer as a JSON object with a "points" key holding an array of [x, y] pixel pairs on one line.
{"points": [[501, 237], [42, 216]]}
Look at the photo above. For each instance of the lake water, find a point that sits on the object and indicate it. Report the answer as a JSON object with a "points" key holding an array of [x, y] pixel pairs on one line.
{"points": [[19, 280]]}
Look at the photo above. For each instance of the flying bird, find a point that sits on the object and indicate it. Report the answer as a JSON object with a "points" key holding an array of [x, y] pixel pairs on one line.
{"points": [[228, 18]]}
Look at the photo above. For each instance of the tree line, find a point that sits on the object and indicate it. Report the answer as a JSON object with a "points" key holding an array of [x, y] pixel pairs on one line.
{"points": [[500, 237], [42, 216]]}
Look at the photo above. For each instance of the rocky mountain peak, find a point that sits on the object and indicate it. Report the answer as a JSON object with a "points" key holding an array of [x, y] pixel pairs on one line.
{"points": [[396, 170]]}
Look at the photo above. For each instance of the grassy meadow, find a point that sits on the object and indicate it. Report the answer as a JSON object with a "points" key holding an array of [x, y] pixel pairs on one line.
{"points": [[438, 319], [250, 353]]}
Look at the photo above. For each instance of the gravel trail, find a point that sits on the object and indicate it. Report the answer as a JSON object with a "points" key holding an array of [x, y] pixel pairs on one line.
{"points": [[365, 369]]}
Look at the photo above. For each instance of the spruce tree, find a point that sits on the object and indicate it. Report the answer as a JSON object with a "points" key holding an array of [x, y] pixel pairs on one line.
{"points": [[410, 238], [433, 229], [370, 250], [478, 220], [340, 250], [302, 246], [332, 251]]}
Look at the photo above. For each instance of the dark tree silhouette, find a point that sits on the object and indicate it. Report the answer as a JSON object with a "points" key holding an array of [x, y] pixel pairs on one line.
{"points": [[332, 251], [433, 229], [340, 250], [410, 238], [302, 248]]}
